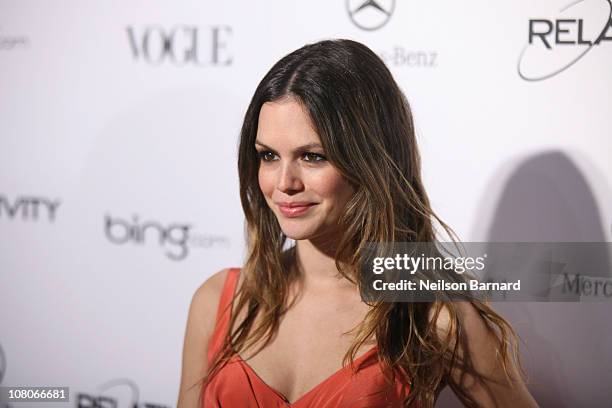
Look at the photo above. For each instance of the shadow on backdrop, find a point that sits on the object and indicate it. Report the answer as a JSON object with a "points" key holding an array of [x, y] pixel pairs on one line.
{"points": [[565, 345]]}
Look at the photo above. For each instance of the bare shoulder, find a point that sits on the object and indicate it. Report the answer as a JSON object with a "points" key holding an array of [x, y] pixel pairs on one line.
{"points": [[487, 382], [477, 336], [470, 319], [206, 299], [200, 326], [207, 295]]}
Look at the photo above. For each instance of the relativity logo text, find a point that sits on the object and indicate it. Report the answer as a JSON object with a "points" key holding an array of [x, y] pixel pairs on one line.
{"points": [[554, 45]]}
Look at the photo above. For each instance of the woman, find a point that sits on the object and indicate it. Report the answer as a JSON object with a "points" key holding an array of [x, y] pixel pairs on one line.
{"points": [[328, 159]]}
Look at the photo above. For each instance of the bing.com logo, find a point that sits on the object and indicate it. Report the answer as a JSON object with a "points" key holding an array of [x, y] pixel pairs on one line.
{"points": [[554, 45], [175, 238]]}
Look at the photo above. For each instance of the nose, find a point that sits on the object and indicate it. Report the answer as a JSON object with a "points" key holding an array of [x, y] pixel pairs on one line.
{"points": [[289, 178]]}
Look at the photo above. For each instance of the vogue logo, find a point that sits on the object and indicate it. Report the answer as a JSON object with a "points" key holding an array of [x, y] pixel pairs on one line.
{"points": [[555, 45], [30, 208], [370, 15], [114, 401], [180, 45], [176, 237]]}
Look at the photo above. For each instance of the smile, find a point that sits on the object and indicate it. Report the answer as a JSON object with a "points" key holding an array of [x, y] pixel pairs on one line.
{"points": [[295, 209]]}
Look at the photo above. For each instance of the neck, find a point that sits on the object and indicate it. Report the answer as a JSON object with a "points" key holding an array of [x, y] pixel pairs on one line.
{"points": [[317, 266]]}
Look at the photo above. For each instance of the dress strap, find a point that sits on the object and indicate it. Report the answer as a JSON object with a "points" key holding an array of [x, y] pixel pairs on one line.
{"points": [[224, 310]]}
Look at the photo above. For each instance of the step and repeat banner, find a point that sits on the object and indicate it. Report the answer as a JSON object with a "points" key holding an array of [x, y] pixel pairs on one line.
{"points": [[119, 127]]}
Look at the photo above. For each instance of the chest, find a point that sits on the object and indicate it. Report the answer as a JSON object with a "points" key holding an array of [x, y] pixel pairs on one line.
{"points": [[309, 346]]}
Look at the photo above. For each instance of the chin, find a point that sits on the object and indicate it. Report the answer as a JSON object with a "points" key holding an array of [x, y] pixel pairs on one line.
{"points": [[298, 232], [297, 235]]}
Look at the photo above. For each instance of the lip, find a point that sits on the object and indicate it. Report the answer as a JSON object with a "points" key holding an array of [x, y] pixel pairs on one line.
{"points": [[295, 209]]}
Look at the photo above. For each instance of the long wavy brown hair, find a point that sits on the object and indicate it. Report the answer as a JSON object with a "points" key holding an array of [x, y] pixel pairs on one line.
{"points": [[366, 128]]}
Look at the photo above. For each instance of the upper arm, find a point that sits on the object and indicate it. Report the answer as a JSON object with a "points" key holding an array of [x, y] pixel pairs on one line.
{"points": [[200, 326], [497, 389]]}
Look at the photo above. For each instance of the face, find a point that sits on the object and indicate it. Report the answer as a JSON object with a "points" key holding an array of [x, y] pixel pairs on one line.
{"points": [[303, 189]]}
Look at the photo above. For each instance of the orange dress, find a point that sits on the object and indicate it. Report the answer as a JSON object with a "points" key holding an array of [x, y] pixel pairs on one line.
{"points": [[237, 385]]}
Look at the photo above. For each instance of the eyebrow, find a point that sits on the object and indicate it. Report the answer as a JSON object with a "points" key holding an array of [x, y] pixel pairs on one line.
{"points": [[300, 148]]}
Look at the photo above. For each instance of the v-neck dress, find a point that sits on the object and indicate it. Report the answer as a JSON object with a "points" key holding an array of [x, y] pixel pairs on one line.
{"points": [[237, 385]]}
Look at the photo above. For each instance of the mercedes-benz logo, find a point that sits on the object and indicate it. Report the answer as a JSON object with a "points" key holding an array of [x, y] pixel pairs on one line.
{"points": [[370, 14]]}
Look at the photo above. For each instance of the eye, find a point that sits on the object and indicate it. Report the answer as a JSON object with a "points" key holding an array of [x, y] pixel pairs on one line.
{"points": [[266, 155], [313, 157]]}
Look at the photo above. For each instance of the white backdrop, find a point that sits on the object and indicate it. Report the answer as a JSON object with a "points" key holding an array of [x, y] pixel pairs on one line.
{"points": [[119, 118]]}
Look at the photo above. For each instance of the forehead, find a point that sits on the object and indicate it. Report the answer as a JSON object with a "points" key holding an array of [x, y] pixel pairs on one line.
{"points": [[285, 121]]}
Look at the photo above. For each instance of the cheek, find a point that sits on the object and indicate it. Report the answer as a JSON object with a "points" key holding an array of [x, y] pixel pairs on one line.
{"points": [[266, 182], [330, 184]]}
